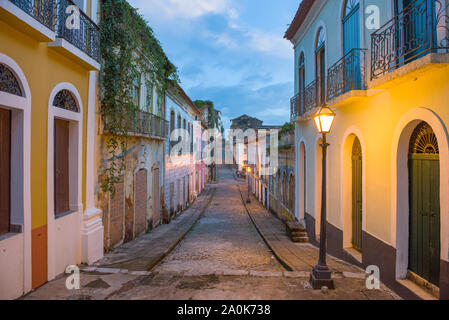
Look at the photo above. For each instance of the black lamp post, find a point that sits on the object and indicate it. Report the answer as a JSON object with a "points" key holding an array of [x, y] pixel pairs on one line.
{"points": [[321, 274]]}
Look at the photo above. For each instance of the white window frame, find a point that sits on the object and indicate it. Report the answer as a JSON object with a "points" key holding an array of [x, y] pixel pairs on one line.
{"points": [[75, 170]]}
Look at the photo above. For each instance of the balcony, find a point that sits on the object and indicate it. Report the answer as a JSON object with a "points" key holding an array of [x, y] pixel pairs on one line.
{"points": [[141, 124], [296, 104], [81, 42], [303, 102], [310, 97], [419, 30], [348, 74], [35, 18]]}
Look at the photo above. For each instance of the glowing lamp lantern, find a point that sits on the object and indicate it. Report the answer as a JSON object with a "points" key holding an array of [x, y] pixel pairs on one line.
{"points": [[324, 120]]}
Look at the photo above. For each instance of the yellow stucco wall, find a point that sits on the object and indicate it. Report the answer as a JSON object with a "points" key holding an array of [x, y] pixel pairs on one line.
{"points": [[376, 117], [44, 68]]}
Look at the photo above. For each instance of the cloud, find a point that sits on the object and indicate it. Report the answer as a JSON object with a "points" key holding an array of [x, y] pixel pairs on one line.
{"points": [[186, 9]]}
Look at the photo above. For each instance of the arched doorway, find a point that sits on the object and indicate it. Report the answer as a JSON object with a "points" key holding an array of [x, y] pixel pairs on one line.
{"points": [[156, 197], [284, 189], [424, 202], [357, 195], [140, 203], [291, 193], [302, 181]]}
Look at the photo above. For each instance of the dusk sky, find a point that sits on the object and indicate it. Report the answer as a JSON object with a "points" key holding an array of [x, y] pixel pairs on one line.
{"points": [[229, 51]]}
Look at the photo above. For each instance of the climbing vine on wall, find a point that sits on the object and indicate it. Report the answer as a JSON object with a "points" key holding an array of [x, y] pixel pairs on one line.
{"points": [[128, 49]]}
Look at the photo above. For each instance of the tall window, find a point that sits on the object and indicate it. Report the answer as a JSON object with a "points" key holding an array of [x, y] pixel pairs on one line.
{"points": [[351, 26], [172, 127], [149, 97], [320, 69], [136, 91], [301, 79], [64, 154], [179, 127], [160, 105], [5, 170]]}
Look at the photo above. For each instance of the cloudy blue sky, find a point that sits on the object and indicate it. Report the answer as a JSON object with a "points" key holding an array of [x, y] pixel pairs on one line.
{"points": [[229, 51]]}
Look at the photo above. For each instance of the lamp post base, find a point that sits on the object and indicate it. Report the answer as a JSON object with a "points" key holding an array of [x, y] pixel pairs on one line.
{"points": [[321, 277]]}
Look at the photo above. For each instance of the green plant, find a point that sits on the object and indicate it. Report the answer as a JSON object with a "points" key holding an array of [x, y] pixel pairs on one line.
{"points": [[128, 49]]}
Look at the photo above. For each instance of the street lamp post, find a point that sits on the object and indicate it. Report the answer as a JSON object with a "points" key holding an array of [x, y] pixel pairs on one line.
{"points": [[248, 199], [321, 274]]}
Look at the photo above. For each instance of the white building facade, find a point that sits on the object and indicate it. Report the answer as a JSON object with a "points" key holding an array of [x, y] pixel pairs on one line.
{"points": [[382, 66]]}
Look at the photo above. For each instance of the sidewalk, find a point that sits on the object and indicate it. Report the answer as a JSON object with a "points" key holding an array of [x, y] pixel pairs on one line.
{"points": [[146, 251], [300, 258]]}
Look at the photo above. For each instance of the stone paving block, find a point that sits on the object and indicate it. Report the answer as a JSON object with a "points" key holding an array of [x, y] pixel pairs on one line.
{"points": [[139, 273], [88, 269], [235, 273], [265, 274], [354, 275], [108, 270], [296, 274]]}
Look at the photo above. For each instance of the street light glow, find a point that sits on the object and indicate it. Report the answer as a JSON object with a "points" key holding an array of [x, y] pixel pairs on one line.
{"points": [[324, 119]]}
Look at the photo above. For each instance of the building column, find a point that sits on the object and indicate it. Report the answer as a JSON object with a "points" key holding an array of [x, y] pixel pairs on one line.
{"points": [[92, 231]]}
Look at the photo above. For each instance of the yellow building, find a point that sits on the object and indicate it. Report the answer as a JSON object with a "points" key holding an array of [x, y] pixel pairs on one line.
{"points": [[49, 58], [383, 67]]}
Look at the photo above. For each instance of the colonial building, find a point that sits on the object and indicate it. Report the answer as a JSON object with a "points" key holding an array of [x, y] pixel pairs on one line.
{"points": [[281, 186], [48, 76], [388, 162], [135, 203], [185, 177]]}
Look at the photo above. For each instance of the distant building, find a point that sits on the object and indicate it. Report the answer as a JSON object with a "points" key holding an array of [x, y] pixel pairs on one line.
{"points": [[185, 176]]}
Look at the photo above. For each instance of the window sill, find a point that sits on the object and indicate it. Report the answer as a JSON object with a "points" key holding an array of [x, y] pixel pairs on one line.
{"points": [[65, 214], [15, 230]]}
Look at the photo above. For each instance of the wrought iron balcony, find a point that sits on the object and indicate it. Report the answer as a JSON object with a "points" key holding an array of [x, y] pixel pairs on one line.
{"points": [[140, 122], [310, 97], [421, 28], [304, 101], [349, 73], [41, 10], [85, 37], [296, 104]]}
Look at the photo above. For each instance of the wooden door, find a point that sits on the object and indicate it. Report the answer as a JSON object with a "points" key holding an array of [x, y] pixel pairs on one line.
{"points": [[424, 196], [424, 250], [156, 197], [5, 171], [61, 166], [357, 195]]}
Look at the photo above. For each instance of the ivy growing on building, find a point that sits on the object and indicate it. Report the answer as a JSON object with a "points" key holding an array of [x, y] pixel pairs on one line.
{"points": [[128, 49]]}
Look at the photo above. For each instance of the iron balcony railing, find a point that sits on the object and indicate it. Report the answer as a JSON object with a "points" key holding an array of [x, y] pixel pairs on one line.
{"points": [[349, 73], [304, 101], [310, 97], [139, 122], [85, 36], [41, 10], [296, 104], [421, 28]]}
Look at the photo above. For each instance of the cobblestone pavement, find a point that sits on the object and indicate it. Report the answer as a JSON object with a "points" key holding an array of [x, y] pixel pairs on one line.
{"points": [[223, 257]]}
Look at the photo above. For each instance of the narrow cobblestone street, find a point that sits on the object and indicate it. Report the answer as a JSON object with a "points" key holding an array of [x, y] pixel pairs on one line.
{"points": [[222, 257]]}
